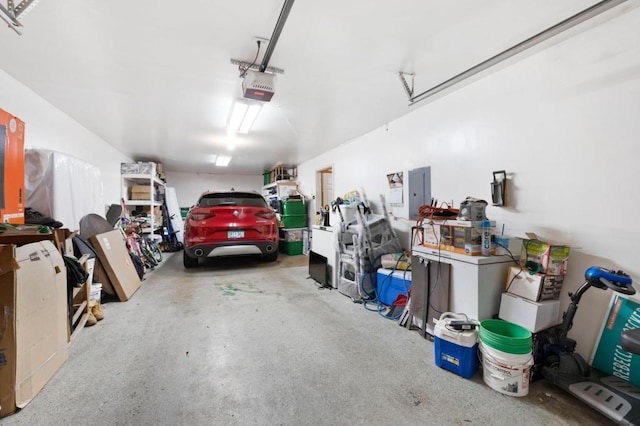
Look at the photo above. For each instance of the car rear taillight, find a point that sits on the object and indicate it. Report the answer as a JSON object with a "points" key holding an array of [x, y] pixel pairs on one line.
{"points": [[266, 215], [201, 216]]}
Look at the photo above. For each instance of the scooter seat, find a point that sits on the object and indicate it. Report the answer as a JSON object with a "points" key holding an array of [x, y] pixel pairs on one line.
{"points": [[630, 340]]}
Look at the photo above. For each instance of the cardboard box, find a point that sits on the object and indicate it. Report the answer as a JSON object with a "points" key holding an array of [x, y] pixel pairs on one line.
{"points": [[33, 307], [505, 245], [142, 189], [534, 316], [141, 192], [12, 194], [533, 286], [551, 259], [114, 257], [608, 355]]}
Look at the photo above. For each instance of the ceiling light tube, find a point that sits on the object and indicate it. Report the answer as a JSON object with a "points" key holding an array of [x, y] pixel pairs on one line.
{"points": [[249, 118], [243, 115], [223, 161]]}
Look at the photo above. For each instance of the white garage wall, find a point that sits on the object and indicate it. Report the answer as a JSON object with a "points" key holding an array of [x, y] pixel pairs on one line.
{"points": [[189, 186], [46, 127], [563, 122]]}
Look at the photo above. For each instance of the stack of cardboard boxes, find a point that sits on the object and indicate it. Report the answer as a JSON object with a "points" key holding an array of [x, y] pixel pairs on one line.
{"points": [[533, 289]]}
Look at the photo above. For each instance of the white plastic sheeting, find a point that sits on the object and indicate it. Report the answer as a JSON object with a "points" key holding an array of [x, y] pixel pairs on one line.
{"points": [[171, 199], [62, 187]]}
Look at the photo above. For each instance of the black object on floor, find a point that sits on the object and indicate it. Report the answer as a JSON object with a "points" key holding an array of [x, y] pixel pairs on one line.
{"points": [[34, 217]]}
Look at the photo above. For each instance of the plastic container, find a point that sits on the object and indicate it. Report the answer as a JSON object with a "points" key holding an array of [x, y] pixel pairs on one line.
{"points": [[293, 234], [505, 372], [456, 351], [505, 336], [292, 248], [293, 207], [485, 248], [294, 221], [390, 284], [506, 356]]}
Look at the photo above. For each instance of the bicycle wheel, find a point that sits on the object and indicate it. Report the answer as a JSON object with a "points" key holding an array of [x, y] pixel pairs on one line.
{"points": [[147, 253], [154, 249]]}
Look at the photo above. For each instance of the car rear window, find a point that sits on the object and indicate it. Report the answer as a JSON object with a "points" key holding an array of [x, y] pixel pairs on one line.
{"points": [[232, 199]]}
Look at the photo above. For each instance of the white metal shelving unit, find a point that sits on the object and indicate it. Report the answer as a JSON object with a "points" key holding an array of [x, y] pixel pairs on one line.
{"points": [[130, 179]]}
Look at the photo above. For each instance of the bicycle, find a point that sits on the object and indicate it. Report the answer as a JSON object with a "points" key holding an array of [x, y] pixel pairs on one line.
{"points": [[144, 247]]}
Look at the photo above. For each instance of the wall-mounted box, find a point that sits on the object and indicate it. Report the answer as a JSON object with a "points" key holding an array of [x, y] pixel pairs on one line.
{"points": [[419, 190]]}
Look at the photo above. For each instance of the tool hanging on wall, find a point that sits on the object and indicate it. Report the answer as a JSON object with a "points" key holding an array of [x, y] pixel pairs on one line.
{"points": [[499, 188]]}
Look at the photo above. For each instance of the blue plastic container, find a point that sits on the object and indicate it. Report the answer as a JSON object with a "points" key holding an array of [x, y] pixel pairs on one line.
{"points": [[456, 351], [391, 284]]}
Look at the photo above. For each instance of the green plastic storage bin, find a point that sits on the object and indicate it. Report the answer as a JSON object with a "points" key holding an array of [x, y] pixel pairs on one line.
{"points": [[292, 248], [266, 178], [294, 221], [293, 207]]}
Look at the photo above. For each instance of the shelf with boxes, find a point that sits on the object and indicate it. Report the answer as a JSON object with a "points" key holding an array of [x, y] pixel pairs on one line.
{"points": [[279, 190], [532, 289], [143, 191], [280, 173]]}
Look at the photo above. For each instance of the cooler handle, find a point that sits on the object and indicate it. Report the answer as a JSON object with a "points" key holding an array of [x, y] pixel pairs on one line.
{"points": [[454, 315]]}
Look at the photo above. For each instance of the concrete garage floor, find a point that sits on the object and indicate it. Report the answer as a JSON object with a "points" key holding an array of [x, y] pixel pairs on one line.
{"points": [[249, 343]]}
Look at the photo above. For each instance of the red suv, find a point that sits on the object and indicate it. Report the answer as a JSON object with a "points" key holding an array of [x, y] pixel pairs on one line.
{"points": [[228, 224]]}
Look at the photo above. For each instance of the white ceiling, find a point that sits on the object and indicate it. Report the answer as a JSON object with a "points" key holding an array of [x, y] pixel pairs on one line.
{"points": [[153, 78]]}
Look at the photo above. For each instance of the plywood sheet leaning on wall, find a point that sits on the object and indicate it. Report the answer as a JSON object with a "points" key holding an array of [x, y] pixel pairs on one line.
{"points": [[114, 257]]}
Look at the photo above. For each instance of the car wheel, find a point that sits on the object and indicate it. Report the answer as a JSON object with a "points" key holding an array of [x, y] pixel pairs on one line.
{"points": [[188, 261], [271, 257]]}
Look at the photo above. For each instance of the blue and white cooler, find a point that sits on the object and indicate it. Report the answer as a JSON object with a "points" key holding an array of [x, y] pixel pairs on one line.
{"points": [[456, 350], [391, 284]]}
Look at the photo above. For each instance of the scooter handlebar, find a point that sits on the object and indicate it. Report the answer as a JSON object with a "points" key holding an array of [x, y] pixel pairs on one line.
{"points": [[615, 280]]}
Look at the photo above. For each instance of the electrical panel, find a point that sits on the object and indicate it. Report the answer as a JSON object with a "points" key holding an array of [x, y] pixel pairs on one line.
{"points": [[419, 190]]}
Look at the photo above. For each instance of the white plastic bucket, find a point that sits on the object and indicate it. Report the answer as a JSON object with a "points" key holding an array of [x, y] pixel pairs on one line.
{"points": [[504, 372]]}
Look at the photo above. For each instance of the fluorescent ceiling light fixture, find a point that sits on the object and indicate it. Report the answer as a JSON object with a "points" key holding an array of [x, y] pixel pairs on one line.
{"points": [[223, 161], [243, 116]]}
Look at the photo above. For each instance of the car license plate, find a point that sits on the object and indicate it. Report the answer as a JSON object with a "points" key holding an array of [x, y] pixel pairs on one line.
{"points": [[234, 235]]}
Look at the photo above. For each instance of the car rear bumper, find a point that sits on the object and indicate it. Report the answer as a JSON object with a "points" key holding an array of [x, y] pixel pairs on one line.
{"points": [[234, 248]]}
